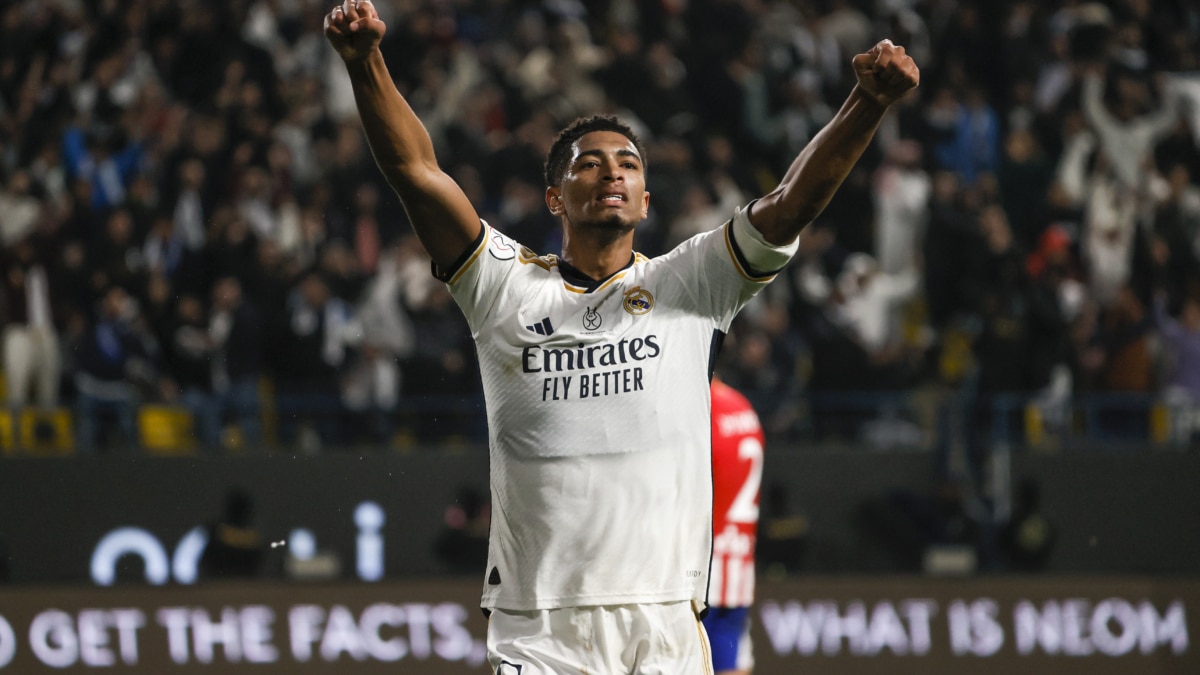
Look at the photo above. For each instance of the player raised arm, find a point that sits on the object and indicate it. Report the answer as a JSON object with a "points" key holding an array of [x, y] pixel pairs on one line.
{"points": [[443, 217], [885, 74]]}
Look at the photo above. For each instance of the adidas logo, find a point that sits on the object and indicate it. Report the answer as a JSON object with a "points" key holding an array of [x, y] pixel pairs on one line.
{"points": [[542, 327]]}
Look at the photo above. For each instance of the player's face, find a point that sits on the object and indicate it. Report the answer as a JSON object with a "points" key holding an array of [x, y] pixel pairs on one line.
{"points": [[605, 184]]}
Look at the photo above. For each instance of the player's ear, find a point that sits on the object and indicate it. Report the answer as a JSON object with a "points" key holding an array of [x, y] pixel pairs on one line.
{"points": [[645, 205], [554, 200]]}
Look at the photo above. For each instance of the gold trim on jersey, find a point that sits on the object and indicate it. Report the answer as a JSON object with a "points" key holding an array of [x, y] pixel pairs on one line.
{"points": [[527, 256], [738, 263], [637, 258], [487, 239], [709, 668], [611, 280]]}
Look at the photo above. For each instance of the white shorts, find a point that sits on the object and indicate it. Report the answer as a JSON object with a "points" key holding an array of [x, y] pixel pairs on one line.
{"points": [[651, 639]]}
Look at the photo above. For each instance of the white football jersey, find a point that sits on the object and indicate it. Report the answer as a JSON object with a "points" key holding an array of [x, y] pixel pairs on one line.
{"points": [[598, 413]]}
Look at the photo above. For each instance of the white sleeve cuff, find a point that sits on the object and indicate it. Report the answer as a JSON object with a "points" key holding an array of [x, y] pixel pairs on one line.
{"points": [[756, 252]]}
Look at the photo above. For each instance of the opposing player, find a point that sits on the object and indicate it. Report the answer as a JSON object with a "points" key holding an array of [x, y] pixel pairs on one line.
{"points": [[737, 459], [595, 367]]}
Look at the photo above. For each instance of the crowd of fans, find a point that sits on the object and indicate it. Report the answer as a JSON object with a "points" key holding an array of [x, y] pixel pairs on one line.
{"points": [[189, 213]]}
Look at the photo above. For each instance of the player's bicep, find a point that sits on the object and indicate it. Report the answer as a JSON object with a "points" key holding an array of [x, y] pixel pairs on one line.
{"points": [[442, 216]]}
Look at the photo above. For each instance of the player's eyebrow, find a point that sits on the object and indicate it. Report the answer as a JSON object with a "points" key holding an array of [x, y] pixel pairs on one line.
{"points": [[596, 152]]}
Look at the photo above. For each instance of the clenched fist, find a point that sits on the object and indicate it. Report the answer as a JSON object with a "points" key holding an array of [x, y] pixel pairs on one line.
{"points": [[886, 73], [354, 29]]}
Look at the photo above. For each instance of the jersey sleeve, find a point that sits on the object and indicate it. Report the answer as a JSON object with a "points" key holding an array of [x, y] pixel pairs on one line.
{"points": [[480, 278], [726, 267]]}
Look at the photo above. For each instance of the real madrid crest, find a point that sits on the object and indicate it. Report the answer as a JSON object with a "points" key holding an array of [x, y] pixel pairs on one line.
{"points": [[638, 301]]}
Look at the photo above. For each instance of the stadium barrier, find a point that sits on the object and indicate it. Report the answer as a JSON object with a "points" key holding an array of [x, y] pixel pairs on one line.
{"points": [[903, 419]]}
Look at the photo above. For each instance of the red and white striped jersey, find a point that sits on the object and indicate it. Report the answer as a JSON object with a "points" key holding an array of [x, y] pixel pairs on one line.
{"points": [[737, 455]]}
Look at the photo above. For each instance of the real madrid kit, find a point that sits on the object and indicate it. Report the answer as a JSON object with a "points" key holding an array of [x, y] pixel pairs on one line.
{"points": [[598, 409]]}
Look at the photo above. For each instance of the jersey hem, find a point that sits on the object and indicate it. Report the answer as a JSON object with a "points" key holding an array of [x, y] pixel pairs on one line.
{"points": [[594, 600]]}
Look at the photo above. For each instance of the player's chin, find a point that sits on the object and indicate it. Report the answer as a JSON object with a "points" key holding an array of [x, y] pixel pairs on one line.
{"points": [[613, 222]]}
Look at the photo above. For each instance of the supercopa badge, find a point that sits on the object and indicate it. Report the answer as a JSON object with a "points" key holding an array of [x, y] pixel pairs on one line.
{"points": [[501, 247], [638, 301]]}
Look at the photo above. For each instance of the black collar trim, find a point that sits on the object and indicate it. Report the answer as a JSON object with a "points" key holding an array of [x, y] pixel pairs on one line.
{"points": [[573, 276]]}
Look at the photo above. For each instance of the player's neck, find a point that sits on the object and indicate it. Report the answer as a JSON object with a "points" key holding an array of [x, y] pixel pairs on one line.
{"points": [[595, 255]]}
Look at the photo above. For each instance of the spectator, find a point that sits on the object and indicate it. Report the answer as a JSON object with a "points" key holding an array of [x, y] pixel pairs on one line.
{"points": [[952, 230], [704, 207], [104, 158], [1110, 226], [373, 384], [190, 358], [118, 257], [234, 546], [762, 365], [1181, 343], [32, 365], [232, 245], [856, 344], [1116, 359], [972, 147], [1024, 175], [1013, 316], [21, 209], [866, 304], [1124, 333], [1129, 128], [192, 203], [901, 191], [114, 373], [440, 369], [1018, 342], [235, 334], [1177, 232], [308, 369], [166, 252]]}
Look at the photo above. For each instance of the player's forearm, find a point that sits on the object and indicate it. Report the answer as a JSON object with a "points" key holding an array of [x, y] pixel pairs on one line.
{"points": [[398, 140], [819, 170], [441, 215]]}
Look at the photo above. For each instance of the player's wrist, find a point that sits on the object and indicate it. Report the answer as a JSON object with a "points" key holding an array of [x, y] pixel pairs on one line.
{"points": [[871, 100], [363, 63]]}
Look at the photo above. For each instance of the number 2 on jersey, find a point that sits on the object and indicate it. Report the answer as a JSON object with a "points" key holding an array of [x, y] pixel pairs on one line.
{"points": [[745, 508]]}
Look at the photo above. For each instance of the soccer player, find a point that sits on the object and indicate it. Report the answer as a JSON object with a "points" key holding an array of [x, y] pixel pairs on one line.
{"points": [[595, 366], [737, 456]]}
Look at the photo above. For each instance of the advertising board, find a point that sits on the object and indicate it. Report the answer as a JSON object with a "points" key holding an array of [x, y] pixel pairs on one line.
{"points": [[1051, 626]]}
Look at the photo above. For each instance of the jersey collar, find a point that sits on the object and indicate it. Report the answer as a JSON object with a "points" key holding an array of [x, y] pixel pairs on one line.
{"points": [[573, 276]]}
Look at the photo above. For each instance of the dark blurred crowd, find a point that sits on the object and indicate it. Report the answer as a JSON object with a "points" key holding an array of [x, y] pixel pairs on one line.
{"points": [[189, 213]]}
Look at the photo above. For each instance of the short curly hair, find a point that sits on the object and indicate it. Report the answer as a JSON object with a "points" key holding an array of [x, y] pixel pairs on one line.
{"points": [[559, 157]]}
